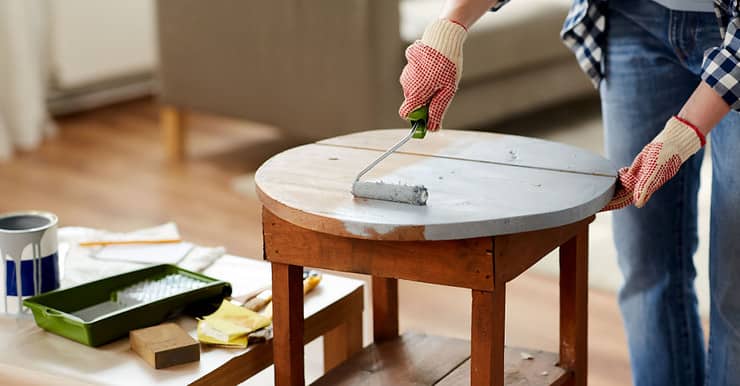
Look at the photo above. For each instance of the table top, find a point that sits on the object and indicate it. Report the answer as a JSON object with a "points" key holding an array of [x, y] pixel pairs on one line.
{"points": [[26, 346], [480, 184]]}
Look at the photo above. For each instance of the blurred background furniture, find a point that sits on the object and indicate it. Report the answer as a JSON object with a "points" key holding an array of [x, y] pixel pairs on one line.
{"points": [[323, 68]]}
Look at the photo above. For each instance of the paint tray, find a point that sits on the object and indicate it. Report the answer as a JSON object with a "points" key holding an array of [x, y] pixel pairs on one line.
{"points": [[98, 312]]}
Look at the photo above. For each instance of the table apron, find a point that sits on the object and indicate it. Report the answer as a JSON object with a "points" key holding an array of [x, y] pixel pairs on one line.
{"points": [[464, 263], [478, 263]]}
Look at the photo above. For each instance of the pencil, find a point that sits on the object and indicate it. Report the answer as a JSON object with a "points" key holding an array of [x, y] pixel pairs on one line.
{"points": [[127, 242]]}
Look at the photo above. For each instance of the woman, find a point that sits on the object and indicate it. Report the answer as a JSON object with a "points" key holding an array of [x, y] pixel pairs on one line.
{"points": [[668, 73]]}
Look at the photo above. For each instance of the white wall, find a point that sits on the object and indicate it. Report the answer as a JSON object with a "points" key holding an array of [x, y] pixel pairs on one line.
{"points": [[98, 40]]}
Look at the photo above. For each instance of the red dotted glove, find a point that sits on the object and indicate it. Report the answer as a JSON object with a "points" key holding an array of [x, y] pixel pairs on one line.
{"points": [[657, 163], [433, 71]]}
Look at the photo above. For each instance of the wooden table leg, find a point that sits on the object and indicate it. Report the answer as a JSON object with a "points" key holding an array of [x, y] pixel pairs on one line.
{"points": [[487, 337], [385, 309], [172, 121], [574, 306], [343, 341], [287, 324]]}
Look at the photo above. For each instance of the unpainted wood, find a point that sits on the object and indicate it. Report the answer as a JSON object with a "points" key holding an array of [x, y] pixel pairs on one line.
{"points": [[487, 337], [240, 368], [385, 309], [538, 371], [342, 337], [515, 253], [414, 359], [310, 186], [173, 121], [484, 146], [287, 300], [574, 306], [164, 345], [460, 263], [343, 341], [411, 359]]}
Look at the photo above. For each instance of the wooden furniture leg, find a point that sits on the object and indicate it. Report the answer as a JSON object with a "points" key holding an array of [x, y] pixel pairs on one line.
{"points": [[343, 341], [385, 309], [172, 121], [574, 307], [287, 324], [487, 337]]}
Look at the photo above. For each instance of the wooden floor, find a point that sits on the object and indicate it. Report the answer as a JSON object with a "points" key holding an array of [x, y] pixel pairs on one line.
{"points": [[106, 169]]}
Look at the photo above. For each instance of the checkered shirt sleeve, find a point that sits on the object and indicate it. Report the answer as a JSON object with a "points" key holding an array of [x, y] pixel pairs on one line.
{"points": [[721, 67], [499, 5], [584, 33]]}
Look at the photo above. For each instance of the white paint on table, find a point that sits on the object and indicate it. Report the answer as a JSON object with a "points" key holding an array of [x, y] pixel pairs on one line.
{"points": [[477, 186]]}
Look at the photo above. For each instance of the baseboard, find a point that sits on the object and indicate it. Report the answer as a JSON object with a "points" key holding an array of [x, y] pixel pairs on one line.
{"points": [[60, 102]]}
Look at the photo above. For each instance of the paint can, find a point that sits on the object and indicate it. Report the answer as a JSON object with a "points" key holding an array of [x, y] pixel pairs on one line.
{"points": [[30, 261]]}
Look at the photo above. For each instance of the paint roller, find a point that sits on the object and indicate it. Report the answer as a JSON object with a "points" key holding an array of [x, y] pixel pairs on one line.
{"points": [[379, 190]]}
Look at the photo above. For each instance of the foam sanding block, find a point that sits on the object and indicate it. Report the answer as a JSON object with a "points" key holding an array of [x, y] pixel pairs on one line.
{"points": [[164, 345]]}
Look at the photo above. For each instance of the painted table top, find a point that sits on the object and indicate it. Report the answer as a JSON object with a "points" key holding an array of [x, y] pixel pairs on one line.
{"points": [[480, 184]]}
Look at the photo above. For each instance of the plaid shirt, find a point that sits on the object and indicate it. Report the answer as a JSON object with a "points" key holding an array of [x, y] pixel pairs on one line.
{"points": [[584, 32]]}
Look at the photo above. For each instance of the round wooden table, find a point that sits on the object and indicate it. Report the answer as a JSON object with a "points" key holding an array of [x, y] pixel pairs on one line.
{"points": [[497, 204]]}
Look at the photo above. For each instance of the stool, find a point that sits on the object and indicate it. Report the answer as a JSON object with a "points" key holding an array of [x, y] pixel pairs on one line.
{"points": [[497, 205]]}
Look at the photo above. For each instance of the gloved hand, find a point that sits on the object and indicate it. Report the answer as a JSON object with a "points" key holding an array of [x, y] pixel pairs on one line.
{"points": [[657, 163], [433, 70]]}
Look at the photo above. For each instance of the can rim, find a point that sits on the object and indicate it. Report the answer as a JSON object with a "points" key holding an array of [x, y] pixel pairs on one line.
{"points": [[51, 217]]}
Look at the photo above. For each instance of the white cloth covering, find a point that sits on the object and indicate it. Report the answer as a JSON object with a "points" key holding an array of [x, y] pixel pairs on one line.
{"points": [[79, 265]]}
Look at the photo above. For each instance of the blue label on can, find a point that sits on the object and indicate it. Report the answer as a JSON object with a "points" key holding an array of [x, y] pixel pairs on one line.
{"points": [[48, 275]]}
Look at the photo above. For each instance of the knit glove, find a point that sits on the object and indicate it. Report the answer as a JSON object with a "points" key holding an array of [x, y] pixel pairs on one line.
{"points": [[657, 163], [433, 70]]}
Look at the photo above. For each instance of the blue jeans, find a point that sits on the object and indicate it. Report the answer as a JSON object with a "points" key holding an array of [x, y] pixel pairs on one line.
{"points": [[653, 61]]}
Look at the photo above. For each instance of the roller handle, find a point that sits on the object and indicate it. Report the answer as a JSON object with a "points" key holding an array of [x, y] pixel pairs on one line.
{"points": [[418, 119]]}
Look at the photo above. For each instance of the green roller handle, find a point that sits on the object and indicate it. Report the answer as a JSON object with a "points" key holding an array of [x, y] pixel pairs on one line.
{"points": [[418, 117]]}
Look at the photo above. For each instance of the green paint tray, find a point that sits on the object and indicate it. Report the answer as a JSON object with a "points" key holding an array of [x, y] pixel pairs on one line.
{"points": [[98, 312]]}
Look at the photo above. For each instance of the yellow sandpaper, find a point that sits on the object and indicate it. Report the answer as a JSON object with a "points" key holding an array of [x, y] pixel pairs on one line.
{"points": [[230, 325]]}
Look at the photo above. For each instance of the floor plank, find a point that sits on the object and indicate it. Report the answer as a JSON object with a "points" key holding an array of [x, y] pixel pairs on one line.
{"points": [[412, 359], [523, 368], [419, 359]]}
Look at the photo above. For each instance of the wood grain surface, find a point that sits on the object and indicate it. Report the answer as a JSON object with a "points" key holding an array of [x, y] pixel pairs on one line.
{"points": [[510, 150], [473, 191], [540, 370], [574, 306], [461, 263], [287, 324], [412, 359], [417, 359]]}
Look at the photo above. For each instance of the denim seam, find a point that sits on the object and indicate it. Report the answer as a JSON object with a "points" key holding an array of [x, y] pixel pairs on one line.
{"points": [[708, 373], [677, 22], [689, 36], [683, 325], [718, 355]]}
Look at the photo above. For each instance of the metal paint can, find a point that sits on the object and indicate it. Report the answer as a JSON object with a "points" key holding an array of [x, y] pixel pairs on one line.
{"points": [[30, 261]]}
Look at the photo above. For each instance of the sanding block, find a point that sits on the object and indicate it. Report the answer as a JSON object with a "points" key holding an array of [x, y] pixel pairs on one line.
{"points": [[164, 345]]}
